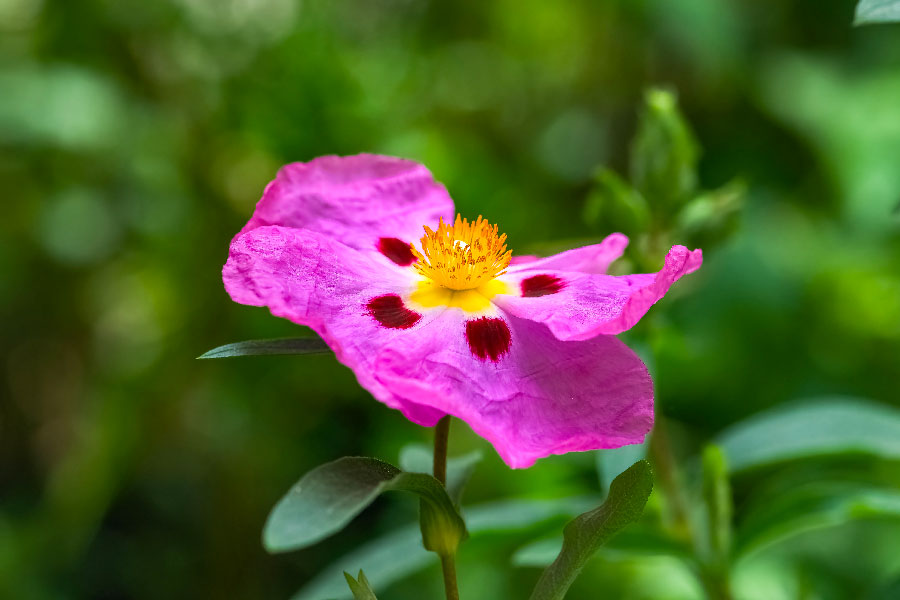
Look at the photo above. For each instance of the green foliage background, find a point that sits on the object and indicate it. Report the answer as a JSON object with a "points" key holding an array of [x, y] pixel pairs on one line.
{"points": [[135, 138]]}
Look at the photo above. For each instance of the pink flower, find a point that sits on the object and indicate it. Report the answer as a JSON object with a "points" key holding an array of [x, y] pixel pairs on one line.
{"points": [[437, 321]]}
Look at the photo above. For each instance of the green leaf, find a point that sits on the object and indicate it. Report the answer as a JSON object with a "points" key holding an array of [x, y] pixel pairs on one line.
{"points": [[360, 586], [711, 216], [329, 496], [418, 458], [269, 347], [400, 553], [717, 503], [613, 205], [811, 507], [826, 426], [869, 12], [614, 461], [586, 533], [664, 154]]}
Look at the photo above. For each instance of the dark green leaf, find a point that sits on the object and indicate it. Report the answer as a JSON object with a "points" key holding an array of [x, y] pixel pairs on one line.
{"points": [[418, 458], [826, 426], [329, 496], [360, 586], [664, 154], [269, 347], [869, 12], [614, 461], [400, 553], [586, 533]]}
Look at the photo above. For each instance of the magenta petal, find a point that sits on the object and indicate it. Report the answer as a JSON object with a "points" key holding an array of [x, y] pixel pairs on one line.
{"points": [[357, 200], [586, 305], [544, 397], [336, 290], [595, 258]]}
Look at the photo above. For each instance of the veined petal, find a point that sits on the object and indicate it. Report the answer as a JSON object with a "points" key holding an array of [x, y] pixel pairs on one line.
{"points": [[595, 258], [543, 397], [353, 301], [367, 201], [579, 305]]}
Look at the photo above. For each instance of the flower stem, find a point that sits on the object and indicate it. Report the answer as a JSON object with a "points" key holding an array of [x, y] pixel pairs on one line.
{"points": [[441, 435], [448, 561]]}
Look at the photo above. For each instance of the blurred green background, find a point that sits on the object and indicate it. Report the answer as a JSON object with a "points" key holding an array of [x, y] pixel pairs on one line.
{"points": [[135, 138]]}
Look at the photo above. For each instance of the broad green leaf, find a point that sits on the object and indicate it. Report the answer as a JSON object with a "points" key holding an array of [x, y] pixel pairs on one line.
{"points": [[329, 496], [614, 461], [613, 205], [811, 507], [586, 533], [825, 426], [269, 347], [869, 12], [360, 586], [400, 553], [664, 154], [418, 458]]}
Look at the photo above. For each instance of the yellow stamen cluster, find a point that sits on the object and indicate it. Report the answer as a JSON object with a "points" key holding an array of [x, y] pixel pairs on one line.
{"points": [[464, 255]]}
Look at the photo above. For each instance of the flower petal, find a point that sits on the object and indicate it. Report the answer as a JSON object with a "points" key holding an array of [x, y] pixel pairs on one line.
{"points": [[544, 397], [579, 305], [595, 258], [348, 297], [358, 200]]}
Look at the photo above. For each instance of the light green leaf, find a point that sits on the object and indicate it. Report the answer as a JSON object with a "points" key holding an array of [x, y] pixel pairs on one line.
{"points": [[418, 458], [869, 12], [811, 507], [664, 154], [269, 347], [360, 586], [400, 553], [825, 426], [586, 533], [329, 496], [712, 215], [613, 205], [715, 546]]}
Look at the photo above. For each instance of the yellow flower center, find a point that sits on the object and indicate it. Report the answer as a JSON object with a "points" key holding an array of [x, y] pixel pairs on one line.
{"points": [[462, 256]]}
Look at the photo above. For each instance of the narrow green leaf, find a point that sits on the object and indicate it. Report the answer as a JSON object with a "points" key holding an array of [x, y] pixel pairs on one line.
{"points": [[329, 496], [586, 533], [717, 503], [400, 553], [418, 458], [825, 426], [360, 586], [269, 347], [664, 154], [711, 216], [869, 12], [811, 507]]}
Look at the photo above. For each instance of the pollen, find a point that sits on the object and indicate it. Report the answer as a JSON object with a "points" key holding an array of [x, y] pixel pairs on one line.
{"points": [[462, 256]]}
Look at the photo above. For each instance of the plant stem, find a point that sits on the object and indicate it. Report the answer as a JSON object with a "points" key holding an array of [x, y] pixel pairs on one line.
{"points": [[448, 562], [441, 435], [448, 566]]}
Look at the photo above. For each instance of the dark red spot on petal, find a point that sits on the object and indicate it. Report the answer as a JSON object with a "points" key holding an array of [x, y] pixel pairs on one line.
{"points": [[396, 250], [488, 338], [541, 285], [390, 312]]}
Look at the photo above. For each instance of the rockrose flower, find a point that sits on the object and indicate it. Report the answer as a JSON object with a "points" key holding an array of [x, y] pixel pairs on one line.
{"points": [[434, 315]]}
